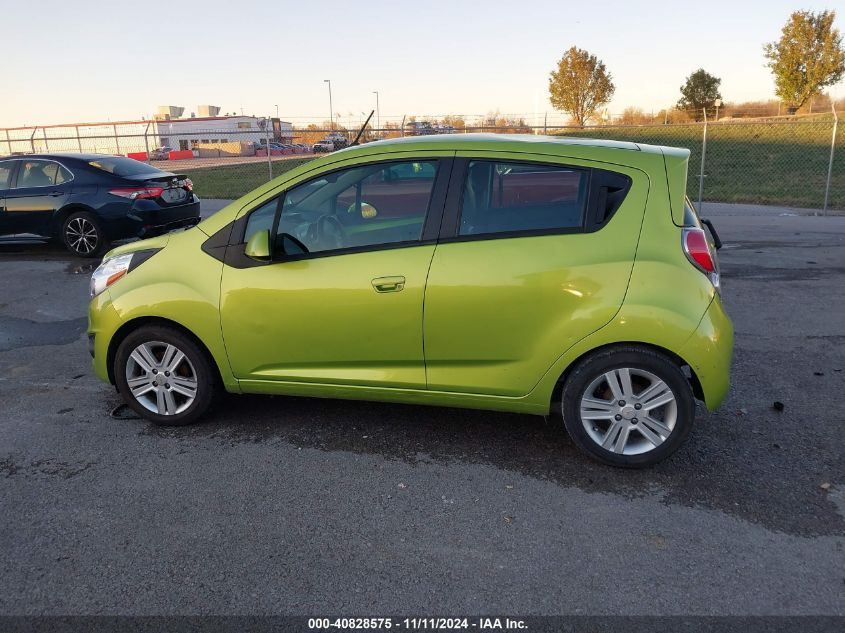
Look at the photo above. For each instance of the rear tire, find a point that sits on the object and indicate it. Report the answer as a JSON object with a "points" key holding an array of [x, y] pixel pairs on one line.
{"points": [[164, 375], [83, 235], [628, 406]]}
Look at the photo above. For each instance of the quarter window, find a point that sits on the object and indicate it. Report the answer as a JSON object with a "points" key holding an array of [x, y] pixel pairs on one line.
{"points": [[366, 206], [505, 197]]}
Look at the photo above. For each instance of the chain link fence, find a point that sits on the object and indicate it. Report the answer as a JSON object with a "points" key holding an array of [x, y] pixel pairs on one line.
{"points": [[795, 162]]}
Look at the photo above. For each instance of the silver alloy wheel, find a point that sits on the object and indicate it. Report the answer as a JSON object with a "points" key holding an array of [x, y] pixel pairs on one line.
{"points": [[82, 235], [628, 411], [161, 378]]}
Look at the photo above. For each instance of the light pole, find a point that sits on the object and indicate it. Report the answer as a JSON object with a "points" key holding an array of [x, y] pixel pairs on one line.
{"points": [[378, 114], [331, 108], [277, 110]]}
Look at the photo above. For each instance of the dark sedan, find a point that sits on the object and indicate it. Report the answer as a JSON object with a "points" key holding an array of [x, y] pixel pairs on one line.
{"points": [[89, 200]]}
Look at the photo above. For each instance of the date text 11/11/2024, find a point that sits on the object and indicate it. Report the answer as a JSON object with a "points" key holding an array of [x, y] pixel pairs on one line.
{"points": [[419, 624]]}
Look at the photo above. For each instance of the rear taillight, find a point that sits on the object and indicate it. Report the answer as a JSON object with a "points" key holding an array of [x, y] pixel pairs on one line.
{"points": [[697, 250], [134, 193]]}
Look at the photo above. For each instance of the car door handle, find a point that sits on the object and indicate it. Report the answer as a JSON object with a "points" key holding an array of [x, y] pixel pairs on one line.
{"points": [[388, 284], [55, 194]]}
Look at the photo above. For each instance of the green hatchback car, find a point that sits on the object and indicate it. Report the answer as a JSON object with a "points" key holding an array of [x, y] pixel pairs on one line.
{"points": [[527, 274]]}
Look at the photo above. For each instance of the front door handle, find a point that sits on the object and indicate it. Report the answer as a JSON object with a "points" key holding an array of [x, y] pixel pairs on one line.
{"points": [[388, 284]]}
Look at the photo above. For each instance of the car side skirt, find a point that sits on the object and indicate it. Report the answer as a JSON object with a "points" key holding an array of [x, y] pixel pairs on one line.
{"points": [[386, 394]]}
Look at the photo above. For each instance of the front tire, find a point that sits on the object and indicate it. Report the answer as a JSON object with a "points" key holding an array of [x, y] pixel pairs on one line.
{"points": [[83, 236], [164, 376], [628, 406]]}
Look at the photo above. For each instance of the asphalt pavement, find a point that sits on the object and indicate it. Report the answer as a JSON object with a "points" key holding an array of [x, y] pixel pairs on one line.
{"points": [[309, 507]]}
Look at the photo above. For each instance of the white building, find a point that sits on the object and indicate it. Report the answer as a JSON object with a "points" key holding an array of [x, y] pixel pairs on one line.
{"points": [[187, 133]]}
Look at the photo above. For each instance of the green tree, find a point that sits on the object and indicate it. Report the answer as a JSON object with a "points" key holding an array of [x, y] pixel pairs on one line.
{"points": [[807, 57], [701, 90], [580, 85]]}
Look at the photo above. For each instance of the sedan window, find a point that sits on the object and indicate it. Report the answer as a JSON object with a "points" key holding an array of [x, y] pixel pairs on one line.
{"points": [[123, 166], [6, 174], [36, 173]]}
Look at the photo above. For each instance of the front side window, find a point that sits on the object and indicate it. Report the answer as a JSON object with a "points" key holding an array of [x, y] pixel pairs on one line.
{"points": [[365, 206], [506, 197]]}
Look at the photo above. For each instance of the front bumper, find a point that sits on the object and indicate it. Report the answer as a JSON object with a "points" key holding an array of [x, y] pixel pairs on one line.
{"points": [[103, 322], [709, 352]]}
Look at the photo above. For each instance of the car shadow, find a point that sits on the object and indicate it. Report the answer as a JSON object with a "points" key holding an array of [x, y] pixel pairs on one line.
{"points": [[714, 469]]}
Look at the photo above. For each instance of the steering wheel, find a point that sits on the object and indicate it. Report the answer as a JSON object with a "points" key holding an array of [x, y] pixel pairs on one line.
{"points": [[330, 232]]}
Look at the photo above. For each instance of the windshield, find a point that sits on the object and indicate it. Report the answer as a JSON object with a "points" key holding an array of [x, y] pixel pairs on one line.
{"points": [[123, 166]]}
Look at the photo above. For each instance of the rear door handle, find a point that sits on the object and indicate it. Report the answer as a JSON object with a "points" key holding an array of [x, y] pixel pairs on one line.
{"points": [[389, 284]]}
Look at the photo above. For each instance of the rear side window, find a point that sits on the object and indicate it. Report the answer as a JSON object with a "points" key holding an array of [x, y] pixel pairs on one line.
{"points": [[506, 197], [6, 174]]}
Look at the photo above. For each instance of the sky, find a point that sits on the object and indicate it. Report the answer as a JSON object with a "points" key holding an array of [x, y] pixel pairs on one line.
{"points": [[111, 61]]}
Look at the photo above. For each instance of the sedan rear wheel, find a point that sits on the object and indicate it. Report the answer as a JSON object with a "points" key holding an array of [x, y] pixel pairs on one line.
{"points": [[82, 235]]}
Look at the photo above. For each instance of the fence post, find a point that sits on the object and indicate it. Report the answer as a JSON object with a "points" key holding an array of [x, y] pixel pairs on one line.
{"points": [[703, 154], [545, 123], [147, 142], [78, 140], [403, 125], [267, 134], [46, 144], [116, 140], [32, 139], [830, 162], [8, 142]]}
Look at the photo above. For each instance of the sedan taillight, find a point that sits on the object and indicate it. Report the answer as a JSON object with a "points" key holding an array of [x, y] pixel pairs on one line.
{"points": [[133, 193]]}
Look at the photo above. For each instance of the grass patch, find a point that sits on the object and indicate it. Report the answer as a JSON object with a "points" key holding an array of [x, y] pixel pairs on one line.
{"points": [[758, 163], [233, 181]]}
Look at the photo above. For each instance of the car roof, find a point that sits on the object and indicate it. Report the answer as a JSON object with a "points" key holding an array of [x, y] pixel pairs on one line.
{"points": [[519, 142]]}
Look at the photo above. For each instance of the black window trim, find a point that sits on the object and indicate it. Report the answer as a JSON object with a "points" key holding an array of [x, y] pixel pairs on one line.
{"points": [[234, 253], [592, 220]]}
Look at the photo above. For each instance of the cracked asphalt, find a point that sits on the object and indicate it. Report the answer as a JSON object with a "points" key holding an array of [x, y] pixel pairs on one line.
{"points": [[314, 507]]}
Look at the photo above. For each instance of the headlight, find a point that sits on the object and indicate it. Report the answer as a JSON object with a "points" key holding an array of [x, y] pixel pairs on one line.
{"points": [[114, 268], [109, 272]]}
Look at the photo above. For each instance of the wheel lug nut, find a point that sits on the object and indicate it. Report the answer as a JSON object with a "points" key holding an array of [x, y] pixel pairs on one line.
{"points": [[638, 406], [617, 417], [621, 403], [167, 385], [155, 371], [634, 421], [167, 373]]}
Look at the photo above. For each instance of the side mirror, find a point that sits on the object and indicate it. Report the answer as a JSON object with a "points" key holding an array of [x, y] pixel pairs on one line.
{"points": [[258, 246]]}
